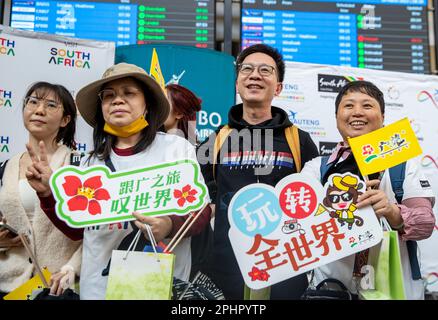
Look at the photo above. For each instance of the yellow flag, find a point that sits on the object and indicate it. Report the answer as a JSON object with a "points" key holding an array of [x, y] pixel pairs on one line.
{"points": [[24, 291], [385, 148], [155, 70], [321, 209]]}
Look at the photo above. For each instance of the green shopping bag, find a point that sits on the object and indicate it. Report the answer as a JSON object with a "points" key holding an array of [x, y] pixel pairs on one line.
{"points": [[388, 271], [141, 276], [138, 275]]}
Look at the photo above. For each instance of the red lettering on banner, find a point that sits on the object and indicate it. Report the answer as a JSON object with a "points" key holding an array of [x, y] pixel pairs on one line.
{"points": [[267, 258], [296, 253], [325, 229]]}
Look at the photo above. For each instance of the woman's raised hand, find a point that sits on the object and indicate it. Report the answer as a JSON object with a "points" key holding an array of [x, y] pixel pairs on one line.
{"points": [[39, 172]]}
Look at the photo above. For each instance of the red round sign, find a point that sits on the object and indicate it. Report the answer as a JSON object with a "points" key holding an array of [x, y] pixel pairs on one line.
{"points": [[298, 200]]}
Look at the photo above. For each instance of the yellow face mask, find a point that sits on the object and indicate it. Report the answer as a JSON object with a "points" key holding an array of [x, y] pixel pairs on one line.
{"points": [[128, 130]]}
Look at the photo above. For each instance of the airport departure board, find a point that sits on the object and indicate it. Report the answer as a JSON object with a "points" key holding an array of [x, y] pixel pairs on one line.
{"points": [[374, 34], [126, 22]]}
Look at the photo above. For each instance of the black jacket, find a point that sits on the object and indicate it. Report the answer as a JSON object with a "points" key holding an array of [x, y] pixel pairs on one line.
{"points": [[235, 169]]}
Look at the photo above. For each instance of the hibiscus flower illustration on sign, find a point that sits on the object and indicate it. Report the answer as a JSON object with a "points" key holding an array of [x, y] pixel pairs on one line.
{"points": [[85, 196], [185, 194], [368, 150], [257, 274]]}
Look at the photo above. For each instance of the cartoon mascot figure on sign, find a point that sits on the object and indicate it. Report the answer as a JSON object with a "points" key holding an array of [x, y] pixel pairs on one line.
{"points": [[341, 196]]}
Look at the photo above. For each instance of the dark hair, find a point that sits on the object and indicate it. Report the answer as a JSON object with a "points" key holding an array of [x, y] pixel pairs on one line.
{"points": [[365, 87], [186, 103], [104, 142], [62, 95], [270, 51]]}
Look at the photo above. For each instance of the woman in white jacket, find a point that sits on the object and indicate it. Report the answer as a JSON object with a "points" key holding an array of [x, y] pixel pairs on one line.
{"points": [[49, 115]]}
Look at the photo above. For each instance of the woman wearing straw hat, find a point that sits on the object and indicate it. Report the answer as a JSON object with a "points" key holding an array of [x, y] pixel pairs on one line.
{"points": [[126, 108]]}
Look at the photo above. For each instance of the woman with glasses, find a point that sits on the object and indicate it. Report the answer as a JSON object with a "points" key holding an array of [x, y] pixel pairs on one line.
{"points": [[126, 108], [49, 115]]}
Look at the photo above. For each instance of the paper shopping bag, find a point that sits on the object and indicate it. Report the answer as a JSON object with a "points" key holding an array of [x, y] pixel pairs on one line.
{"points": [[397, 289], [388, 282], [141, 276]]}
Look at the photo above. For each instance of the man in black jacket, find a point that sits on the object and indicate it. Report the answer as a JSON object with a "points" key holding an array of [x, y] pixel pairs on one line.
{"points": [[256, 151]]}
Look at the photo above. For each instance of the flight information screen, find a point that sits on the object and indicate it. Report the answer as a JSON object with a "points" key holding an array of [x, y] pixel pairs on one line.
{"points": [[375, 34], [183, 22]]}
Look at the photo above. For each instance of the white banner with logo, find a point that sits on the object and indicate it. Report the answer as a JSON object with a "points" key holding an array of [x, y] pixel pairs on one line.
{"points": [[28, 57], [309, 93]]}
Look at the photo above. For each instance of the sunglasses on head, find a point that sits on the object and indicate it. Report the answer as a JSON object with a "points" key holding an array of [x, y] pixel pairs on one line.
{"points": [[335, 198]]}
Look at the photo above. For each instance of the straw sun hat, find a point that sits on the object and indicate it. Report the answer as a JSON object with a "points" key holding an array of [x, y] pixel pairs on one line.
{"points": [[345, 183], [87, 100]]}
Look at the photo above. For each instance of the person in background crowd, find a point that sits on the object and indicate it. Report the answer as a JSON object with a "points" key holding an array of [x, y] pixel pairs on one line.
{"points": [[184, 105]]}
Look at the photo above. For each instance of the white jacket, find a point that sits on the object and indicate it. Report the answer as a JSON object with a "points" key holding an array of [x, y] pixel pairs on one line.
{"points": [[50, 246]]}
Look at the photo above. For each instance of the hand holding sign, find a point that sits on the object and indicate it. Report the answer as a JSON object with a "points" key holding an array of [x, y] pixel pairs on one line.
{"points": [[62, 280], [39, 172], [161, 226], [380, 203], [380, 150]]}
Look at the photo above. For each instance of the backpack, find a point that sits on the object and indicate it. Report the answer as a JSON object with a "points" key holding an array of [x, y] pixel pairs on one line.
{"points": [[397, 176], [292, 137]]}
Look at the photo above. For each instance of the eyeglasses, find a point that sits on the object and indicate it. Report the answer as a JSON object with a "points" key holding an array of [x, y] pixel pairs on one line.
{"points": [[335, 198], [126, 93], [263, 69], [31, 103]]}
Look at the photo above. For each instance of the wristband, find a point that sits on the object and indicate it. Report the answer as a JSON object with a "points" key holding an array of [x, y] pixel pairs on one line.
{"points": [[401, 225]]}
